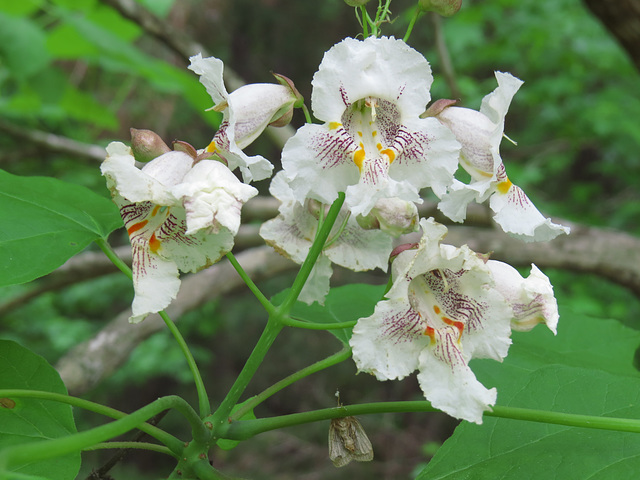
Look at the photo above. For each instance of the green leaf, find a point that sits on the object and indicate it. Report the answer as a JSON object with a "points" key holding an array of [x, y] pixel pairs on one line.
{"points": [[28, 420], [22, 46], [343, 304], [587, 369], [45, 222]]}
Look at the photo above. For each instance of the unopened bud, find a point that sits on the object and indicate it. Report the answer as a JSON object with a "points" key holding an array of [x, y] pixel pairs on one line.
{"points": [[147, 145], [446, 8], [317, 208], [437, 107], [395, 216]]}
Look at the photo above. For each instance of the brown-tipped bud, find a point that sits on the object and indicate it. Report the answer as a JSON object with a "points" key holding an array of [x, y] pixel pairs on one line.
{"points": [[184, 147], [287, 82], [147, 145], [401, 248], [446, 8], [356, 3], [437, 107]]}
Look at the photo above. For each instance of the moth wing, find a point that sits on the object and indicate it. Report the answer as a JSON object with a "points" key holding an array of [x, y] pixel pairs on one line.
{"points": [[338, 453], [363, 451]]}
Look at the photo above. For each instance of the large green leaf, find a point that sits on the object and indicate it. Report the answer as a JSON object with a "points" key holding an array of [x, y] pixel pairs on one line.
{"points": [[587, 369], [27, 420], [44, 222], [343, 304]]}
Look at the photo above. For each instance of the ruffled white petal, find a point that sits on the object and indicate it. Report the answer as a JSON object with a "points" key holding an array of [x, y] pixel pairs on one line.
{"points": [[388, 343], [384, 68], [531, 299], [212, 197], [152, 183], [318, 161], [451, 386], [210, 70], [519, 217]]}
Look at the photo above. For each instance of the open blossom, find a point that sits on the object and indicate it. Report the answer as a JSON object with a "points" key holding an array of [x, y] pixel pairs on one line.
{"points": [[373, 144], [480, 134], [448, 305], [179, 214], [292, 233], [247, 112]]}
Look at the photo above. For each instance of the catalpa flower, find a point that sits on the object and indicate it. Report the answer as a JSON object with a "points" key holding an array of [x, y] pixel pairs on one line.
{"points": [[179, 214], [448, 305], [247, 112], [373, 145], [292, 233], [480, 134]]}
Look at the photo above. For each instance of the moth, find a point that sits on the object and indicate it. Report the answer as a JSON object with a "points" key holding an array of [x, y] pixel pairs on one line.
{"points": [[347, 441]]}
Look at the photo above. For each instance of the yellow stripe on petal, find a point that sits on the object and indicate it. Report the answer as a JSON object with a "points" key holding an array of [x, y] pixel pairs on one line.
{"points": [[211, 148], [390, 154], [358, 157], [504, 186], [334, 125]]}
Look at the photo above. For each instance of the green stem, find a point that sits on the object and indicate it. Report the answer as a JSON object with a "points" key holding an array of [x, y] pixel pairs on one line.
{"points": [[252, 286], [307, 115], [290, 322], [203, 398], [43, 450], [111, 255], [312, 256], [174, 444], [153, 447], [334, 359], [221, 415], [365, 21], [414, 19], [244, 429]]}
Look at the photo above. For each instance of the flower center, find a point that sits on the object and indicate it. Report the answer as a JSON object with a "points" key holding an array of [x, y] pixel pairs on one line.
{"points": [[373, 123]]}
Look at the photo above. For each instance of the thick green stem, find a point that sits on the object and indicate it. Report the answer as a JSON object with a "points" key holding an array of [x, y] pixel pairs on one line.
{"points": [[221, 415], [173, 443], [203, 398], [153, 447], [244, 429], [266, 304], [338, 357], [312, 257], [38, 451]]}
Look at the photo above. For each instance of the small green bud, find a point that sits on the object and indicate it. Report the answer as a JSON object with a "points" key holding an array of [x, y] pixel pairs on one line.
{"points": [[147, 145], [446, 8]]}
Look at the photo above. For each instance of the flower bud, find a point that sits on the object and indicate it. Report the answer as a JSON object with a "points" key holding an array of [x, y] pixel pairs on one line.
{"points": [[446, 8], [184, 147], [391, 215], [147, 145]]}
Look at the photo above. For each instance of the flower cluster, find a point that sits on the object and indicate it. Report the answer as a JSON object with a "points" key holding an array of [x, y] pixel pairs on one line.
{"points": [[378, 146]]}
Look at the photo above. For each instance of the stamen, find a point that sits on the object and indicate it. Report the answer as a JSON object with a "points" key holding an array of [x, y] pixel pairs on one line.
{"points": [[335, 237]]}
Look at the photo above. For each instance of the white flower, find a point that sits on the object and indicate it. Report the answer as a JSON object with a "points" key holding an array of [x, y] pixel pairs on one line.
{"points": [[179, 216], [373, 144], [247, 112], [480, 134], [292, 233], [446, 306]]}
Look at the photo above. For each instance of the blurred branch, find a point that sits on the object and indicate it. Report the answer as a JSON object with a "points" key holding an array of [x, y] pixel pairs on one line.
{"points": [[54, 142], [622, 19], [184, 46], [443, 52], [88, 363]]}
